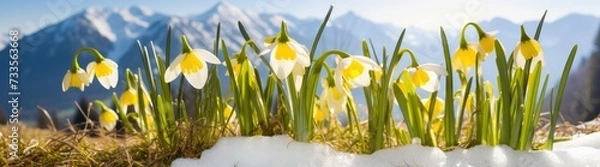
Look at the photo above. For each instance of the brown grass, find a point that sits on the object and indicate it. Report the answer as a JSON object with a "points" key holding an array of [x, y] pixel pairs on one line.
{"points": [[40, 147]]}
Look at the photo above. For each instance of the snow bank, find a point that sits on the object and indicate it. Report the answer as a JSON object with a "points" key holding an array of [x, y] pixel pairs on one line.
{"points": [[283, 151]]}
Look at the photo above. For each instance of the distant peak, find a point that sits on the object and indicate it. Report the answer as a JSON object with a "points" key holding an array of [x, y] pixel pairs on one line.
{"points": [[350, 13], [350, 16], [224, 5], [98, 10], [140, 10], [222, 9]]}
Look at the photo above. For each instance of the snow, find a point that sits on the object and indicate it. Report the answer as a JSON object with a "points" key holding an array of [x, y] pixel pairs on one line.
{"points": [[102, 26], [283, 151], [4, 39]]}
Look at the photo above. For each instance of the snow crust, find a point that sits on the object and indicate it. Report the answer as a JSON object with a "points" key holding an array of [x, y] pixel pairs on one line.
{"points": [[283, 151]]}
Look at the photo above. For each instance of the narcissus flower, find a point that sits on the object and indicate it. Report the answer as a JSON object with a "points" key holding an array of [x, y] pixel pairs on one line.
{"points": [[464, 57], [425, 76], [333, 97], [467, 54], [353, 71], [470, 104], [528, 49], [76, 78], [320, 113], [105, 70], [486, 43], [287, 56], [228, 113], [129, 97], [192, 63], [236, 66], [108, 117], [437, 108]]}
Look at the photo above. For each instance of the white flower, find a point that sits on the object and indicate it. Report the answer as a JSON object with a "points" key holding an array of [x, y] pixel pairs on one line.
{"points": [[334, 98], [77, 79], [108, 117], [287, 57], [106, 71], [425, 76], [353, 71], [192, 63]]}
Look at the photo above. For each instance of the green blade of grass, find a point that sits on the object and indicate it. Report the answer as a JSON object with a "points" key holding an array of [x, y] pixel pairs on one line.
{"points": [[313, 49], [538, 31], [449, 117], [559, 96], [505, 92]]}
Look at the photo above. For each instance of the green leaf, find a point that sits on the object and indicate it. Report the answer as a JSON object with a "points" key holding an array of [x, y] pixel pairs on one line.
{"points": [[561, 90], [449, 118]]}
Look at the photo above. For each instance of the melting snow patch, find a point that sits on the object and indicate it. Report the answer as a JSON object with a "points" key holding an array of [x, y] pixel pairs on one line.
{"points": [[283, 151]]}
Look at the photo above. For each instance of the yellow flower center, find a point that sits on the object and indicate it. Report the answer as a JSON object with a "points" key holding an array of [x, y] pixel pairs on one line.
{"points": [[108, 117], [487, 43], [336, 93], [102, 69], [530, 49], [437, 109], [191, 64], [437, 125], [464, 58], [129, 97], [227, 112], [420, 78], [236, 68], [285, 52], [353, 70], [403, 87], [319, 113], [75, 81]]}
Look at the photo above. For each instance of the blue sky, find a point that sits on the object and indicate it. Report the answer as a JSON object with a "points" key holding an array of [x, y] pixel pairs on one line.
{"points": [[428, 14]]}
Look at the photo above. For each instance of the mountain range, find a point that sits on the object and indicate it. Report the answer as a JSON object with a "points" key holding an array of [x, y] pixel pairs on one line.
{"points": [[47, 53]]}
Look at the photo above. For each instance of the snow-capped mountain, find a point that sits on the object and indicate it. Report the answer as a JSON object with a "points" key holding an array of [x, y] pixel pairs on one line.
{"points": [[4, 38], [47, 54]]}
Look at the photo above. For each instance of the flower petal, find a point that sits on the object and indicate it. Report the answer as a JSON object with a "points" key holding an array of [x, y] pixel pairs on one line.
{"points": [[113, 78], [91, 70], [281, 68], [364, 79], [540, 58], [108, 119], [268, 49], [110, 63], [437, 69], [368, 63], [83, 76], [519, 58], [207, 56], [197, 79], [433, 84], [298, 73], [105, 81], [66, 81], [301, 52], [173, 70]]}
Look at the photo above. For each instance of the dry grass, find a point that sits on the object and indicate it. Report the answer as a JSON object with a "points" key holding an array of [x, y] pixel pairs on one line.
{"points": [[41, 147]]}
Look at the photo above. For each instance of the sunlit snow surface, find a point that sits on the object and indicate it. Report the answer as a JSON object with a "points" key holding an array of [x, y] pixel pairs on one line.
{"points": [[283, 151]]}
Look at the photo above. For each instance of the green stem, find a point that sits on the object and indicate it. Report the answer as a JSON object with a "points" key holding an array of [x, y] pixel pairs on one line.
{"points": [[96, 53]]}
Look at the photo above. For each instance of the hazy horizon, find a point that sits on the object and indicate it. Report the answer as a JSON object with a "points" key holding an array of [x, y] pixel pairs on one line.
{"points": [[407, 13]]}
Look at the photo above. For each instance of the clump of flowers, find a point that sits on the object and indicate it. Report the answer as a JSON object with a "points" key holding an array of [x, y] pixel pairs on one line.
{"points": [[286, 98]]}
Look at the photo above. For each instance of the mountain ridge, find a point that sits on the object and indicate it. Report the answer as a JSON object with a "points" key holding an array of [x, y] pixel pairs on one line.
{"points": [[57, 42]]}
